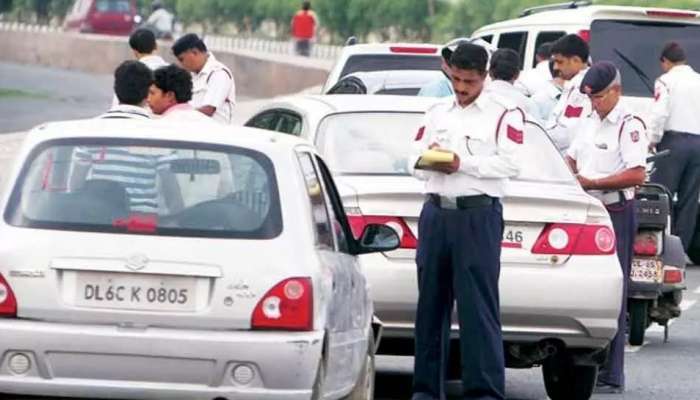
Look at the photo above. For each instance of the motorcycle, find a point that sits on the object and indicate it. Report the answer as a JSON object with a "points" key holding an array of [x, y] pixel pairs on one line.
{"points": [[657, 275]]}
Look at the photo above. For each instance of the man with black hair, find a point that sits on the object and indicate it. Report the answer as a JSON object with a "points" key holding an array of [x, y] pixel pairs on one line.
{"points": [[170, 93], [143, 44], [504, 70], [131, 82], [303, 27], [465, 151], [570, 54], [674, 125], [537, 79], [213, 90]]}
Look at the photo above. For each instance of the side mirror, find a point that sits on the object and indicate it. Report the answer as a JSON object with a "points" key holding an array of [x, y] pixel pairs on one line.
{"points": [[377, 238]]}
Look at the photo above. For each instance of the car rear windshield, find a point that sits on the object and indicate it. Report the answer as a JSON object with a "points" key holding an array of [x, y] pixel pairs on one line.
{"points": [[380, 143], [115, 6], [147, 187], [635, 47], [385, 62]]}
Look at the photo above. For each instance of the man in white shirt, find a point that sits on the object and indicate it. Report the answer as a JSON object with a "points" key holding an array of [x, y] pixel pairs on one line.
{"points": [[460, 229], [608, 156], [160, 20], [674, 125], [145, 48], [536, 79], [214, 90], [504, 70], [570, 54]]}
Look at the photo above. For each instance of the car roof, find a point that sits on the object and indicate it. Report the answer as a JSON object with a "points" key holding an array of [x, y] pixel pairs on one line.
{"points": [[583, 15], [385, 48], [213, 133], [339, 103], [400, 78]]}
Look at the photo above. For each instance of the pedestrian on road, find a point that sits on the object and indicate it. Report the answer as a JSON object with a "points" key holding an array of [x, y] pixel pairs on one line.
{"points": [[460, 229], [504, 69], [160, 22], [570, 55], [304, 29], [674, 125], [608, 156], [143, 45], [131, 82], [170, 93], [214, 90], [536, 79]]}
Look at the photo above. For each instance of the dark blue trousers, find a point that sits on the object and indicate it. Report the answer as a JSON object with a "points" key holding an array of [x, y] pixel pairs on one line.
{"points": [[458, 259], [625, 226], [680, 173]]}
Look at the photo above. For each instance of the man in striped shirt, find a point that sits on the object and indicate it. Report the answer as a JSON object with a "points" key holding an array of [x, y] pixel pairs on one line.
{"points": [[137, 172]]}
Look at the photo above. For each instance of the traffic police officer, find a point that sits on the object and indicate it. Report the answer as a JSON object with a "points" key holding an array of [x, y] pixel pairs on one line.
{"points": [[214, 90], [570, 55], [609, 156], [675, 125], [460, 229]]}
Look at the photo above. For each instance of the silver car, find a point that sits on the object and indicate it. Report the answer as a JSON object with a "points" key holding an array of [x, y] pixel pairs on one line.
{"points": [[142, 261], [561, 283]]}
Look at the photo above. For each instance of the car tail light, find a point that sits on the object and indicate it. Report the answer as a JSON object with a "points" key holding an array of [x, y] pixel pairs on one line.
{"points": [[576, 239], [646, 244], [413, 50], [358, 223], [287, 306], [672, 275], [585, 34], [139, 223], [671, 14], [8, 303]]}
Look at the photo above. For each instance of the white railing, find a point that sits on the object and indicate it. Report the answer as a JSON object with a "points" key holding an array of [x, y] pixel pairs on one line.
{"points": [[215, 42]]}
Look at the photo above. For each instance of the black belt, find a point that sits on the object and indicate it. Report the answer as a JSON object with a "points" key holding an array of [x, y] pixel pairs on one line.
{"points": [[461, 202]]}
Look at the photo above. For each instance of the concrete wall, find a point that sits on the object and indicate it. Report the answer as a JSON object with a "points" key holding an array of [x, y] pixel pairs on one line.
{"points": [[256, 74]]}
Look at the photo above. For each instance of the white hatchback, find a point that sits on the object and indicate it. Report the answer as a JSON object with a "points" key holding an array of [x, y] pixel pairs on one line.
{"points": [[561, 282], [147, 260]]}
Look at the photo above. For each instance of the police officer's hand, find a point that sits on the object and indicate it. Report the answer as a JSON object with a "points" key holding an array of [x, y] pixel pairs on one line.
{"points": [[446, 168], [586, 183]]}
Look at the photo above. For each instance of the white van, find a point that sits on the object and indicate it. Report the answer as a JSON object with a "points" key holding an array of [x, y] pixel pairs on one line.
{"points": [[631, 37]]}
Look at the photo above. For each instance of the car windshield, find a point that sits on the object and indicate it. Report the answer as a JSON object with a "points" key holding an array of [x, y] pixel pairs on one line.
{"points": [[635, 47], [161, 188], [384, 62], [379, 143], [120, 6]]}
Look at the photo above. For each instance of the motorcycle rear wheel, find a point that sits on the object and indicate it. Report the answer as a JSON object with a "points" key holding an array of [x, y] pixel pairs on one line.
{"points": [[639, 316]]}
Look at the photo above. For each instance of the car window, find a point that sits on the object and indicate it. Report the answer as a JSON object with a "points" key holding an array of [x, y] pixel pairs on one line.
{"points": [[387, 62], [635, 46], [341, 228], [150, 187], [323, 229], [487, 38], [119, 6], [515, 41], [368, 143], [289, 123], [545, 37], [267, 120], [540, 161]]}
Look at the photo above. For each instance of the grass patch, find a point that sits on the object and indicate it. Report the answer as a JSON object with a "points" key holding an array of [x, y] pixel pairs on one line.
{"points": [[9, 93]]}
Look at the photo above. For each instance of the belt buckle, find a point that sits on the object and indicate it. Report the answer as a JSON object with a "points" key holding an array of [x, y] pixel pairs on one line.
{"points": [[448, 203]]}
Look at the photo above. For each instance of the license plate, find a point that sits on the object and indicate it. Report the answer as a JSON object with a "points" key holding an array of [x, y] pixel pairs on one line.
{"points": [[135, 291], [646, 270]]}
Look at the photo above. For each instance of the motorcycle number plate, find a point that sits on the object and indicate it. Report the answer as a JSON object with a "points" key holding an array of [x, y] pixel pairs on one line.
{"points": [[646, 270]]}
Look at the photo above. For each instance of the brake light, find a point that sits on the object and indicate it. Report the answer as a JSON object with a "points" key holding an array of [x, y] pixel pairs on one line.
{"points": [[413, 50], [585, 34], [359, 222], [646, 244], [287, 306], [140, 223], [671, 14], [8, 303], [576, 239], [672, 275]]}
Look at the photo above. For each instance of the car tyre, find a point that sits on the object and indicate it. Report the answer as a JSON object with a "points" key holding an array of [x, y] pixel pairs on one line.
{"points": [[364, 388], [564, 380], [638, 310]]}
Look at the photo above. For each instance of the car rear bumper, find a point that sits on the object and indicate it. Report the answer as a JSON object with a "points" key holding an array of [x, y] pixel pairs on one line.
{"points": [[154, 363], [578, 303]]}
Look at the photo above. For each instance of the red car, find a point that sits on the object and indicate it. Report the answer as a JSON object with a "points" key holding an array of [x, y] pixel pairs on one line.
{"points": [[111, 17]]}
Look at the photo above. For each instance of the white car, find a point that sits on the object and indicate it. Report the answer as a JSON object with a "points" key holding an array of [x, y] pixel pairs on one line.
{"points": [[155, 261], [384, 57], [561, 282], [400, 83], [631, 37]]}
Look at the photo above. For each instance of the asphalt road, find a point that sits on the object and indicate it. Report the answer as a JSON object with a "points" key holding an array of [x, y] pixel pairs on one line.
{"points": [[32, 95]]}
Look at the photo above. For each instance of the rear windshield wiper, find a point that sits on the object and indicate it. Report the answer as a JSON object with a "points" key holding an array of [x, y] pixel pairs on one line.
{"points": [[642, 76]]}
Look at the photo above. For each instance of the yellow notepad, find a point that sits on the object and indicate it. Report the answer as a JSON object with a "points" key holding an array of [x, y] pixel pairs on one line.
{"points": [[430, 157]]}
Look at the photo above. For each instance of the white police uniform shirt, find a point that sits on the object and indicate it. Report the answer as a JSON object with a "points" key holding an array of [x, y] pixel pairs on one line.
{"points": [[508, 91], [571, 108], [546, 99], [535, 79], [214, 86], [677, 103], [486, 135], [606, 147]]}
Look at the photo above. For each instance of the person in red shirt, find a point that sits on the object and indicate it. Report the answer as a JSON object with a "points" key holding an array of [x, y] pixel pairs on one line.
{"points": [[304, 29]]}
